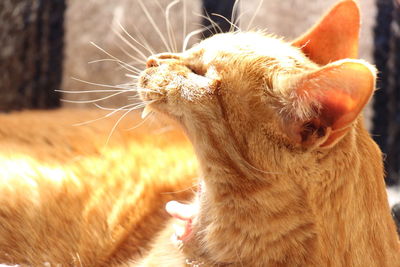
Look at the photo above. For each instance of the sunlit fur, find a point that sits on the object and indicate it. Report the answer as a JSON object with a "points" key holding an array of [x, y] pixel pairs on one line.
{"points": [[266, 199], [66, 198], [269, 199]]}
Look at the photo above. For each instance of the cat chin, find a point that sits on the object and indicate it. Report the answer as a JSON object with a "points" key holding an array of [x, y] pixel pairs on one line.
{"points": [[163, 112]]}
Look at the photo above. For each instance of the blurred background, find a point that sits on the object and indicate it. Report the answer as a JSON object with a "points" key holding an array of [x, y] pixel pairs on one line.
{"points": [[45, 44]]}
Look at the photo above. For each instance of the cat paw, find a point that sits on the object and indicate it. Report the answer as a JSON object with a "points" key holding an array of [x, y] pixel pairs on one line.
{"points": [[185, 214]]}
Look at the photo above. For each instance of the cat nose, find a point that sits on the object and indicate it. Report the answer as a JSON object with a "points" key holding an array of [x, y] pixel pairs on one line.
{"points": [[152, 62], [157, 60]]}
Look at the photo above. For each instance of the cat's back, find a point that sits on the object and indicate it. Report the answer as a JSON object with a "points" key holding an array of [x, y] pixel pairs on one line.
{"points": [[67, 197]]}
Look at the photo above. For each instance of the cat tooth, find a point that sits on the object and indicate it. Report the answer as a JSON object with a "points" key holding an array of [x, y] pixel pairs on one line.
{"points": [[146, 111], [179, 230]]}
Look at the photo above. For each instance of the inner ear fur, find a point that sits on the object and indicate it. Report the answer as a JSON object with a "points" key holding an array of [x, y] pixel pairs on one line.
{"points": [[335, 36], [326, 102]]}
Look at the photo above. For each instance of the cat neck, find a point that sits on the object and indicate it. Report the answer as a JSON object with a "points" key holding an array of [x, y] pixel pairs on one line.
{"points": [[268, 216], [244, 211]]}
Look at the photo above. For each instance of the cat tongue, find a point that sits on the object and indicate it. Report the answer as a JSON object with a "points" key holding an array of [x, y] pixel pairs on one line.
{"points": [[184, 213], [180, 211]]}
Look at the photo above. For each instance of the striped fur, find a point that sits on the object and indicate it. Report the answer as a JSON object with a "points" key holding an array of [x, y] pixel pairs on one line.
{"points": [[268, 197]]}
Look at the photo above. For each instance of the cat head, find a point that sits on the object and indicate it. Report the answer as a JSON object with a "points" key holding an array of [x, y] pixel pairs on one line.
{"points": [[307, 92]]}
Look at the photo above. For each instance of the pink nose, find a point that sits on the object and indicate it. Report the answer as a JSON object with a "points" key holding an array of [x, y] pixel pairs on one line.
{"points": [[156, 60], [152, 62]]}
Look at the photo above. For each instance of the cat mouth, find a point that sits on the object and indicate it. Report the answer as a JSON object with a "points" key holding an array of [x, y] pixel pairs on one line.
{"points": [[151, 86], [157, 84], [167, 88]]}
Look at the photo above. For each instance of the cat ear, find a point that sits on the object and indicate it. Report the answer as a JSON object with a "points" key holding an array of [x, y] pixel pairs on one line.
{"points": [[335, 36], [327, 101]]}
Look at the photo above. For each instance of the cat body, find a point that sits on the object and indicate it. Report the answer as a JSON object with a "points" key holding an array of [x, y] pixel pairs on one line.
{"points": [[290, 176], [330, 220], [67, 199]]}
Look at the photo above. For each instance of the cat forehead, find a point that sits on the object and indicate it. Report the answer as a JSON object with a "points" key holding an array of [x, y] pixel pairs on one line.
{"points": [[252, 44]]}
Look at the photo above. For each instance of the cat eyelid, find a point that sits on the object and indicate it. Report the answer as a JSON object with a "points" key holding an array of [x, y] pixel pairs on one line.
{"points": [[196, 71]]}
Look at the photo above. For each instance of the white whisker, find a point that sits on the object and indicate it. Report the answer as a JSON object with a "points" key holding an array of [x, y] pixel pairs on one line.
{"points": [[184, 21], [235, 12], [136, 41], [227, 20], [93, 91], [191, 34], [92, 100], [139, 124], [242, 14], [171, 41], [111, 60], [143, 39], [182, 190], [141, 89], [154, 25], [116, 124], [159, 6], [136, 59], [123, 64], [255, 14], [79, 259], [121, 86], [171, 36], [216, 27], [94, 120], [131, 46], [133, 39], [134, 97], [132, 76], [125, 87], [127, 107], [255, 168], [102, 60], [205, 29], [134, 69], [116, 61]]}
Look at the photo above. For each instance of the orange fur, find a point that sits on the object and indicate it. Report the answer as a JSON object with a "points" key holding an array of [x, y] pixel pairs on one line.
{"points": [[290, 176], [335, 36], [68, 199]]}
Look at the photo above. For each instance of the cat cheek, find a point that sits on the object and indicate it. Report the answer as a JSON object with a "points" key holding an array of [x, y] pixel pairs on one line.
{"points": [[214, 86], [213, 74]]}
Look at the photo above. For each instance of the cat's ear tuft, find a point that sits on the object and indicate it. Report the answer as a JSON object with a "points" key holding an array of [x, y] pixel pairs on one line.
{"points": [[326, 102], [335, 36]]}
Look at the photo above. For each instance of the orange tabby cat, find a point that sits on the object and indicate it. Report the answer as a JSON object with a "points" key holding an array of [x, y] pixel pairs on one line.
{"points": [[290, 176]]}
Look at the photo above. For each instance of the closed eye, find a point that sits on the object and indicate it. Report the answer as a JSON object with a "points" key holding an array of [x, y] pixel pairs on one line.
{"points": [[197, 70]]}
